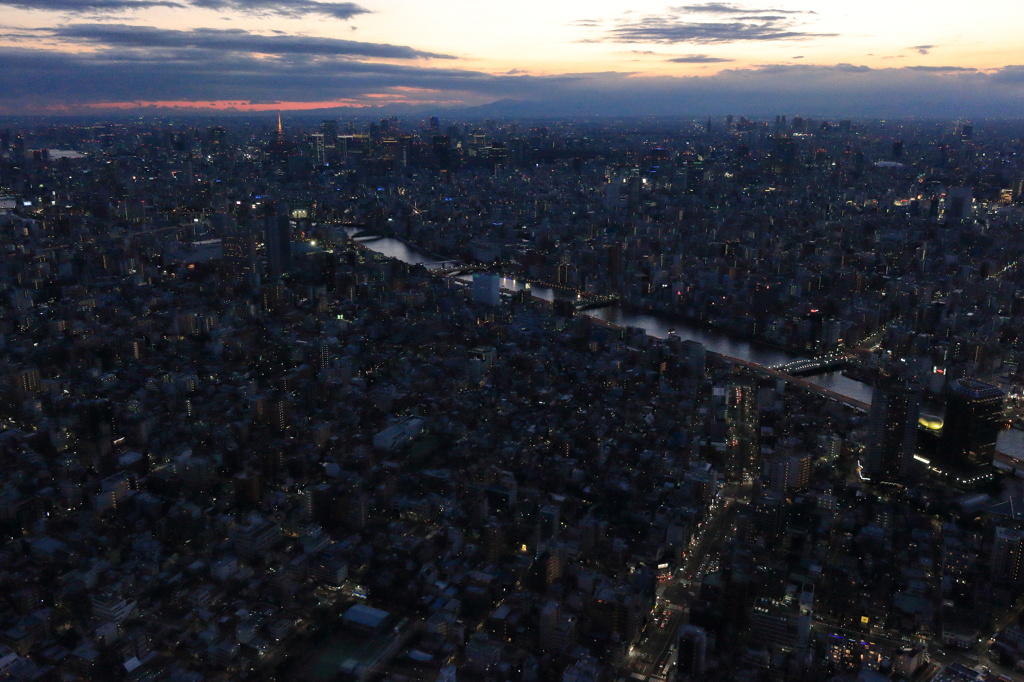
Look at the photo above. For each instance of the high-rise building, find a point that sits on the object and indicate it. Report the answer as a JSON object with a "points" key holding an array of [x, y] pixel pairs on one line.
{"points": [[694, 355], [693, 646], [743, 429], [329, 130], [785, 154], [240, 257], [550, 615], [444, 154], [784, 624], [769, 515], [892, 428], [786, 472], [957, 204], [278, 241], [1008, 555], [974, 417], [319, 148], [486, 288]]}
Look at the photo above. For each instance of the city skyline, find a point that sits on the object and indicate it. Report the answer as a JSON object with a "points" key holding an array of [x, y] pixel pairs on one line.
{"points": [[599, 58], [593, 401]]}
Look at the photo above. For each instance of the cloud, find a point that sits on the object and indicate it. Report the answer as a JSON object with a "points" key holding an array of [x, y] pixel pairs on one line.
{"points": [[804, 69], [294, 8], [33, 81], [289, 8], [89, 5], [729, 23], [1010, 75], [728, 8], [669, 32], [923, 49], [680, 59], [38, 78], [114, 36], [942, 68], [698, 59]]}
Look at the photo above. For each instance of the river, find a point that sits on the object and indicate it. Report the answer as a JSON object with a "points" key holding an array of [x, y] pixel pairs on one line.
{"points": [[652, 323], [656, 325]]}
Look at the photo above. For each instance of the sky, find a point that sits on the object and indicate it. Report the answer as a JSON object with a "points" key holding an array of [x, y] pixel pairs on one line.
{"points": [[923, 58]]}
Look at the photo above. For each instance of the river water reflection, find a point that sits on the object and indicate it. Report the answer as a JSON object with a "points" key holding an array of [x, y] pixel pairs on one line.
{"points": [[724, 344], [660, 326], [394, 248], [653, 323]]}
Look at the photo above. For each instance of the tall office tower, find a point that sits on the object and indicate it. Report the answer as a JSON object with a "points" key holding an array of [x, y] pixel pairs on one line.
{"points": [[743, 429], [694, 355], [240, 265], [957, 204], [974, 417], [319, 148], [1008, 555], [320, 358], [693, 646], [329, 129], [486, 288], [278, 240], [548, 621], [785, 155], [613, 252], [786, 472], [892, 428], [444, 154], [217, 136]]}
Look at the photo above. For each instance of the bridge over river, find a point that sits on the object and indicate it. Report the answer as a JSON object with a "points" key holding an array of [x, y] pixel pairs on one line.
{"points": [[805, 384], [824, 363]]}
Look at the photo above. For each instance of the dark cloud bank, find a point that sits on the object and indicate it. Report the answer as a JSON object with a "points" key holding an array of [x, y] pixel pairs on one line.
{"points": [[287, 8], [139, 64]]}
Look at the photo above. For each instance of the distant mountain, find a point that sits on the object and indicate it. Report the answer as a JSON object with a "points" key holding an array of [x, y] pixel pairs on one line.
{"points": [[503, 108]]}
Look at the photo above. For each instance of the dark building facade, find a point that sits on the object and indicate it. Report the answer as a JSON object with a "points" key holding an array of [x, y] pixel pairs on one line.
{"points": [[278, 240], [892, 428], [974, 417]]}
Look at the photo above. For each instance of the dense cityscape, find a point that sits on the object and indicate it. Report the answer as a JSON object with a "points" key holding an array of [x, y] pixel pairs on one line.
{"points": [[571, 400]]}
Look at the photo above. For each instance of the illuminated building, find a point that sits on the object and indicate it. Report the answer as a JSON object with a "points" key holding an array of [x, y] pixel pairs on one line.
{"points": [[1008, 555], [278, 149], [26, 382], [329, 131], [319, 148], [853, 652], [743, 428], [486, 288], [240, 257], [784, 623], [788, 472]]}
